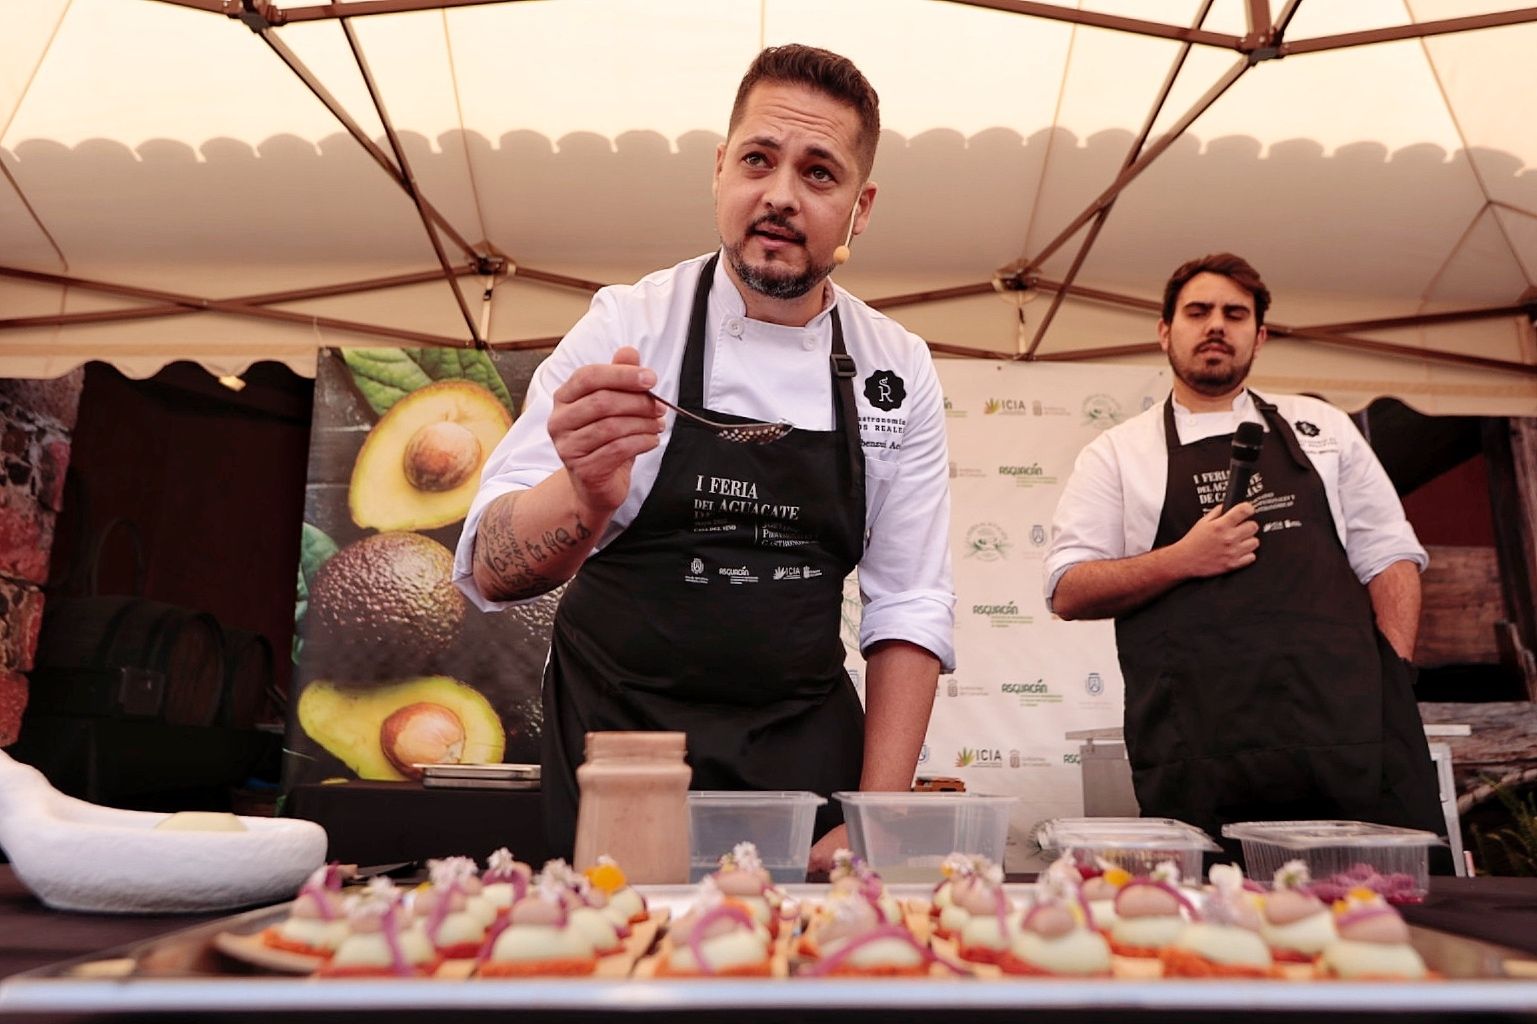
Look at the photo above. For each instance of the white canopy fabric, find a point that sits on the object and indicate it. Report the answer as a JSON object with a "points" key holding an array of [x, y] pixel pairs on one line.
{"points": [[162, 158]]}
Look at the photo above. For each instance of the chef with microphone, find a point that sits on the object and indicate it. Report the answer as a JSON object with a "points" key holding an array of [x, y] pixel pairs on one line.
{"points": [[1263, 581]]}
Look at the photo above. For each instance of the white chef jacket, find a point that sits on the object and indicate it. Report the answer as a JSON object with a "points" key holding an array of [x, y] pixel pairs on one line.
{"points": [[1112, 503], [768, 372]]}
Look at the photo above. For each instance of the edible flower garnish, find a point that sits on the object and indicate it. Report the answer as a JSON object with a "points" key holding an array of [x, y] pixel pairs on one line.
{"points": [[606, 875], [1293, 874], [743, 857]]}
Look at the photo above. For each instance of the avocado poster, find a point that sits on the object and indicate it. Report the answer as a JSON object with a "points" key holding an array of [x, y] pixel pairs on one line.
{"points": [[393, 667]]}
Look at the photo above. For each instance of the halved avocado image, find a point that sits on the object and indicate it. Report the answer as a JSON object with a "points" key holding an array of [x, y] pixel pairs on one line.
{"points": [[380, 732], [419, 467], [390, 594]]}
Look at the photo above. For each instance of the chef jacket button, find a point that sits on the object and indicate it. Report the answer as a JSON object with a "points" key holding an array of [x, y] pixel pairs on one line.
{"points": [[734, 327], [808, 343]]}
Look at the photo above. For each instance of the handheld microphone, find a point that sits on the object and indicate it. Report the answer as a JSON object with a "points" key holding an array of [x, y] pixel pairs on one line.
{"points": [[843, 252], [1247, 441]]}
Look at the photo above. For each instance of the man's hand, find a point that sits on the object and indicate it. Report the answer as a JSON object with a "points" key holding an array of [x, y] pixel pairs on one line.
{"points": [[822, 853], [1220, 541], [602, 420]]}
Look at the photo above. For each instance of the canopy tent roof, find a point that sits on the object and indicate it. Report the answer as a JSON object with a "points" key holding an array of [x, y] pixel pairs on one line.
{"points": [[235, 180]]}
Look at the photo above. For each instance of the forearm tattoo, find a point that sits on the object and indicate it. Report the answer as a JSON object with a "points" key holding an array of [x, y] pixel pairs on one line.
{"points": [[519, 566]]}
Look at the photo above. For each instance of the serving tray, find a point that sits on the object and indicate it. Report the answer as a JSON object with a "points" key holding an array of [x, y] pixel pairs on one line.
{"points": [[184, 971]]}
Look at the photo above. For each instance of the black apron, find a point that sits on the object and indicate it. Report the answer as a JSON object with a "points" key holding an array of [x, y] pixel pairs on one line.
{"points": [[717, 612], [1267, 693]]}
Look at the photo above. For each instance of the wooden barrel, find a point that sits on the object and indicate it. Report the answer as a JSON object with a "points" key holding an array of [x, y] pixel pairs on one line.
{"points": [[183, 648], [248, 679]]}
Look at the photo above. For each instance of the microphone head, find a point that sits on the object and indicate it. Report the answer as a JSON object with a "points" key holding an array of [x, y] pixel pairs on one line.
{"points": [[841, 255], [1247, 441]]}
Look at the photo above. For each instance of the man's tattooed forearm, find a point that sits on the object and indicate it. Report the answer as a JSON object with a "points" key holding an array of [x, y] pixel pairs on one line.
{"points": [[518, 566]]}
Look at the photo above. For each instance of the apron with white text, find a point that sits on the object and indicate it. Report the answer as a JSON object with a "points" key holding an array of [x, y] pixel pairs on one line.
{"points": [[1267, 693]]}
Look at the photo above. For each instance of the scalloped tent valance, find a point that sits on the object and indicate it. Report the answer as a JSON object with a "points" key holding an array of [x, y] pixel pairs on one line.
{"points": [[221, 180]]}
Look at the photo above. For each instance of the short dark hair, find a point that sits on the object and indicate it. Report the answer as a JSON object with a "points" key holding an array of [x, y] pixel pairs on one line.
{"points": [[1235, 268], [825, 72]]}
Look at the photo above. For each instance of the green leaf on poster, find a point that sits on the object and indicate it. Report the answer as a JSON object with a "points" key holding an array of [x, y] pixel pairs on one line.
{"points": [[314, 548], [386, 375], [465, 364]]}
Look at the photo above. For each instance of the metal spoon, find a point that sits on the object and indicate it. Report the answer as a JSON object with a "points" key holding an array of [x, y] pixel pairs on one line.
{"points": [[740, 433]]}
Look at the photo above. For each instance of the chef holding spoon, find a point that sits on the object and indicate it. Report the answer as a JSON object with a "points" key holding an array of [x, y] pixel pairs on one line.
{"points": [[707, 549]]}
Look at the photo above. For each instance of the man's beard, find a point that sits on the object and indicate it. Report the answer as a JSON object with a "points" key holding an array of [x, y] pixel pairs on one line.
{"points": [[1215, 381], [770, 281]]}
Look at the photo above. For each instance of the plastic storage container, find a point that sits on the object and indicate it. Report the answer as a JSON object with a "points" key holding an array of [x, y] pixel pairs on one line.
{"points": [[1341, 855], [906, 836], [778, 824], [1137, 845]]}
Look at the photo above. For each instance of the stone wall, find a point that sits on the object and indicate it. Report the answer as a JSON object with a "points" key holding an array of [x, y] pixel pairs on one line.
{"points": [[36, 418]]}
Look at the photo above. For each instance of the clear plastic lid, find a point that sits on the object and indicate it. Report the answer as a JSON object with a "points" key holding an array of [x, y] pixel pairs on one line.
{"points": [[1122, 833], [911, 799], [1308, 835], [753, 797]]}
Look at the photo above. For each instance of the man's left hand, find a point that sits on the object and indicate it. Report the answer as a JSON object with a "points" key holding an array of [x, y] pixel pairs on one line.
{"points": [[822, 852]]}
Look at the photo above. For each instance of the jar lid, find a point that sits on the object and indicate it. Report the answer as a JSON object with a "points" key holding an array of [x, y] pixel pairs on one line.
{"points": [[664, 745]]}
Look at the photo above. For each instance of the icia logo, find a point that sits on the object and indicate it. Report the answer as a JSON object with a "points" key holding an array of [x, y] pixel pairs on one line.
{"points": [[979, 757], [1010, 407], [1094, 684], [987, 542]]}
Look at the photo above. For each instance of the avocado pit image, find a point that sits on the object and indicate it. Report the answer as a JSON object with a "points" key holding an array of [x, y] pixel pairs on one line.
{"points": [[383, 731], [420, 466]]}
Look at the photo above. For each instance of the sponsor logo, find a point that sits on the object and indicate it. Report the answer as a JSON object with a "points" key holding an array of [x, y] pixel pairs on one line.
{"points": [[1020, 407], [696, 566], [953, 687], [787, 572], [1147, 402], [923, 754], [1070, 759], [986, 542], [738, 575], [1031, 694], [1032, 475], [1094, 684], [1306, 429], [1101, 411], [979, 757], [809, 573], [695, 572], [1014, 759], [1001, 616], [1037, 534], [885, 390]]}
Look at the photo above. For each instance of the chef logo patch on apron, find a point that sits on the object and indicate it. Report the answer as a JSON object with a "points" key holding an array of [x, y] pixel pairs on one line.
{"points": [[885, 390]]}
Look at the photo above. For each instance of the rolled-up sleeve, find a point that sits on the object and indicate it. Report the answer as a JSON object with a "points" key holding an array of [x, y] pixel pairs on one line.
{"points": [[905, 576], [1089, 522], [1377, 533]]}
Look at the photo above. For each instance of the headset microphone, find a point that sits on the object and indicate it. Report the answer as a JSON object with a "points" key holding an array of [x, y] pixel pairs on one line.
{"points": [[843, 252]]}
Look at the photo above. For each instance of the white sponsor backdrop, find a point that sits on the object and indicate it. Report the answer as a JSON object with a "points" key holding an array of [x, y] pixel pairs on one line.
{"points": [[1023, 679]]}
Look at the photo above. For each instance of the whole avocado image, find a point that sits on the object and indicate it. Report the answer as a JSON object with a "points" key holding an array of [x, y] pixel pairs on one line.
{"points": [[391, 594], [382, 731]]}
